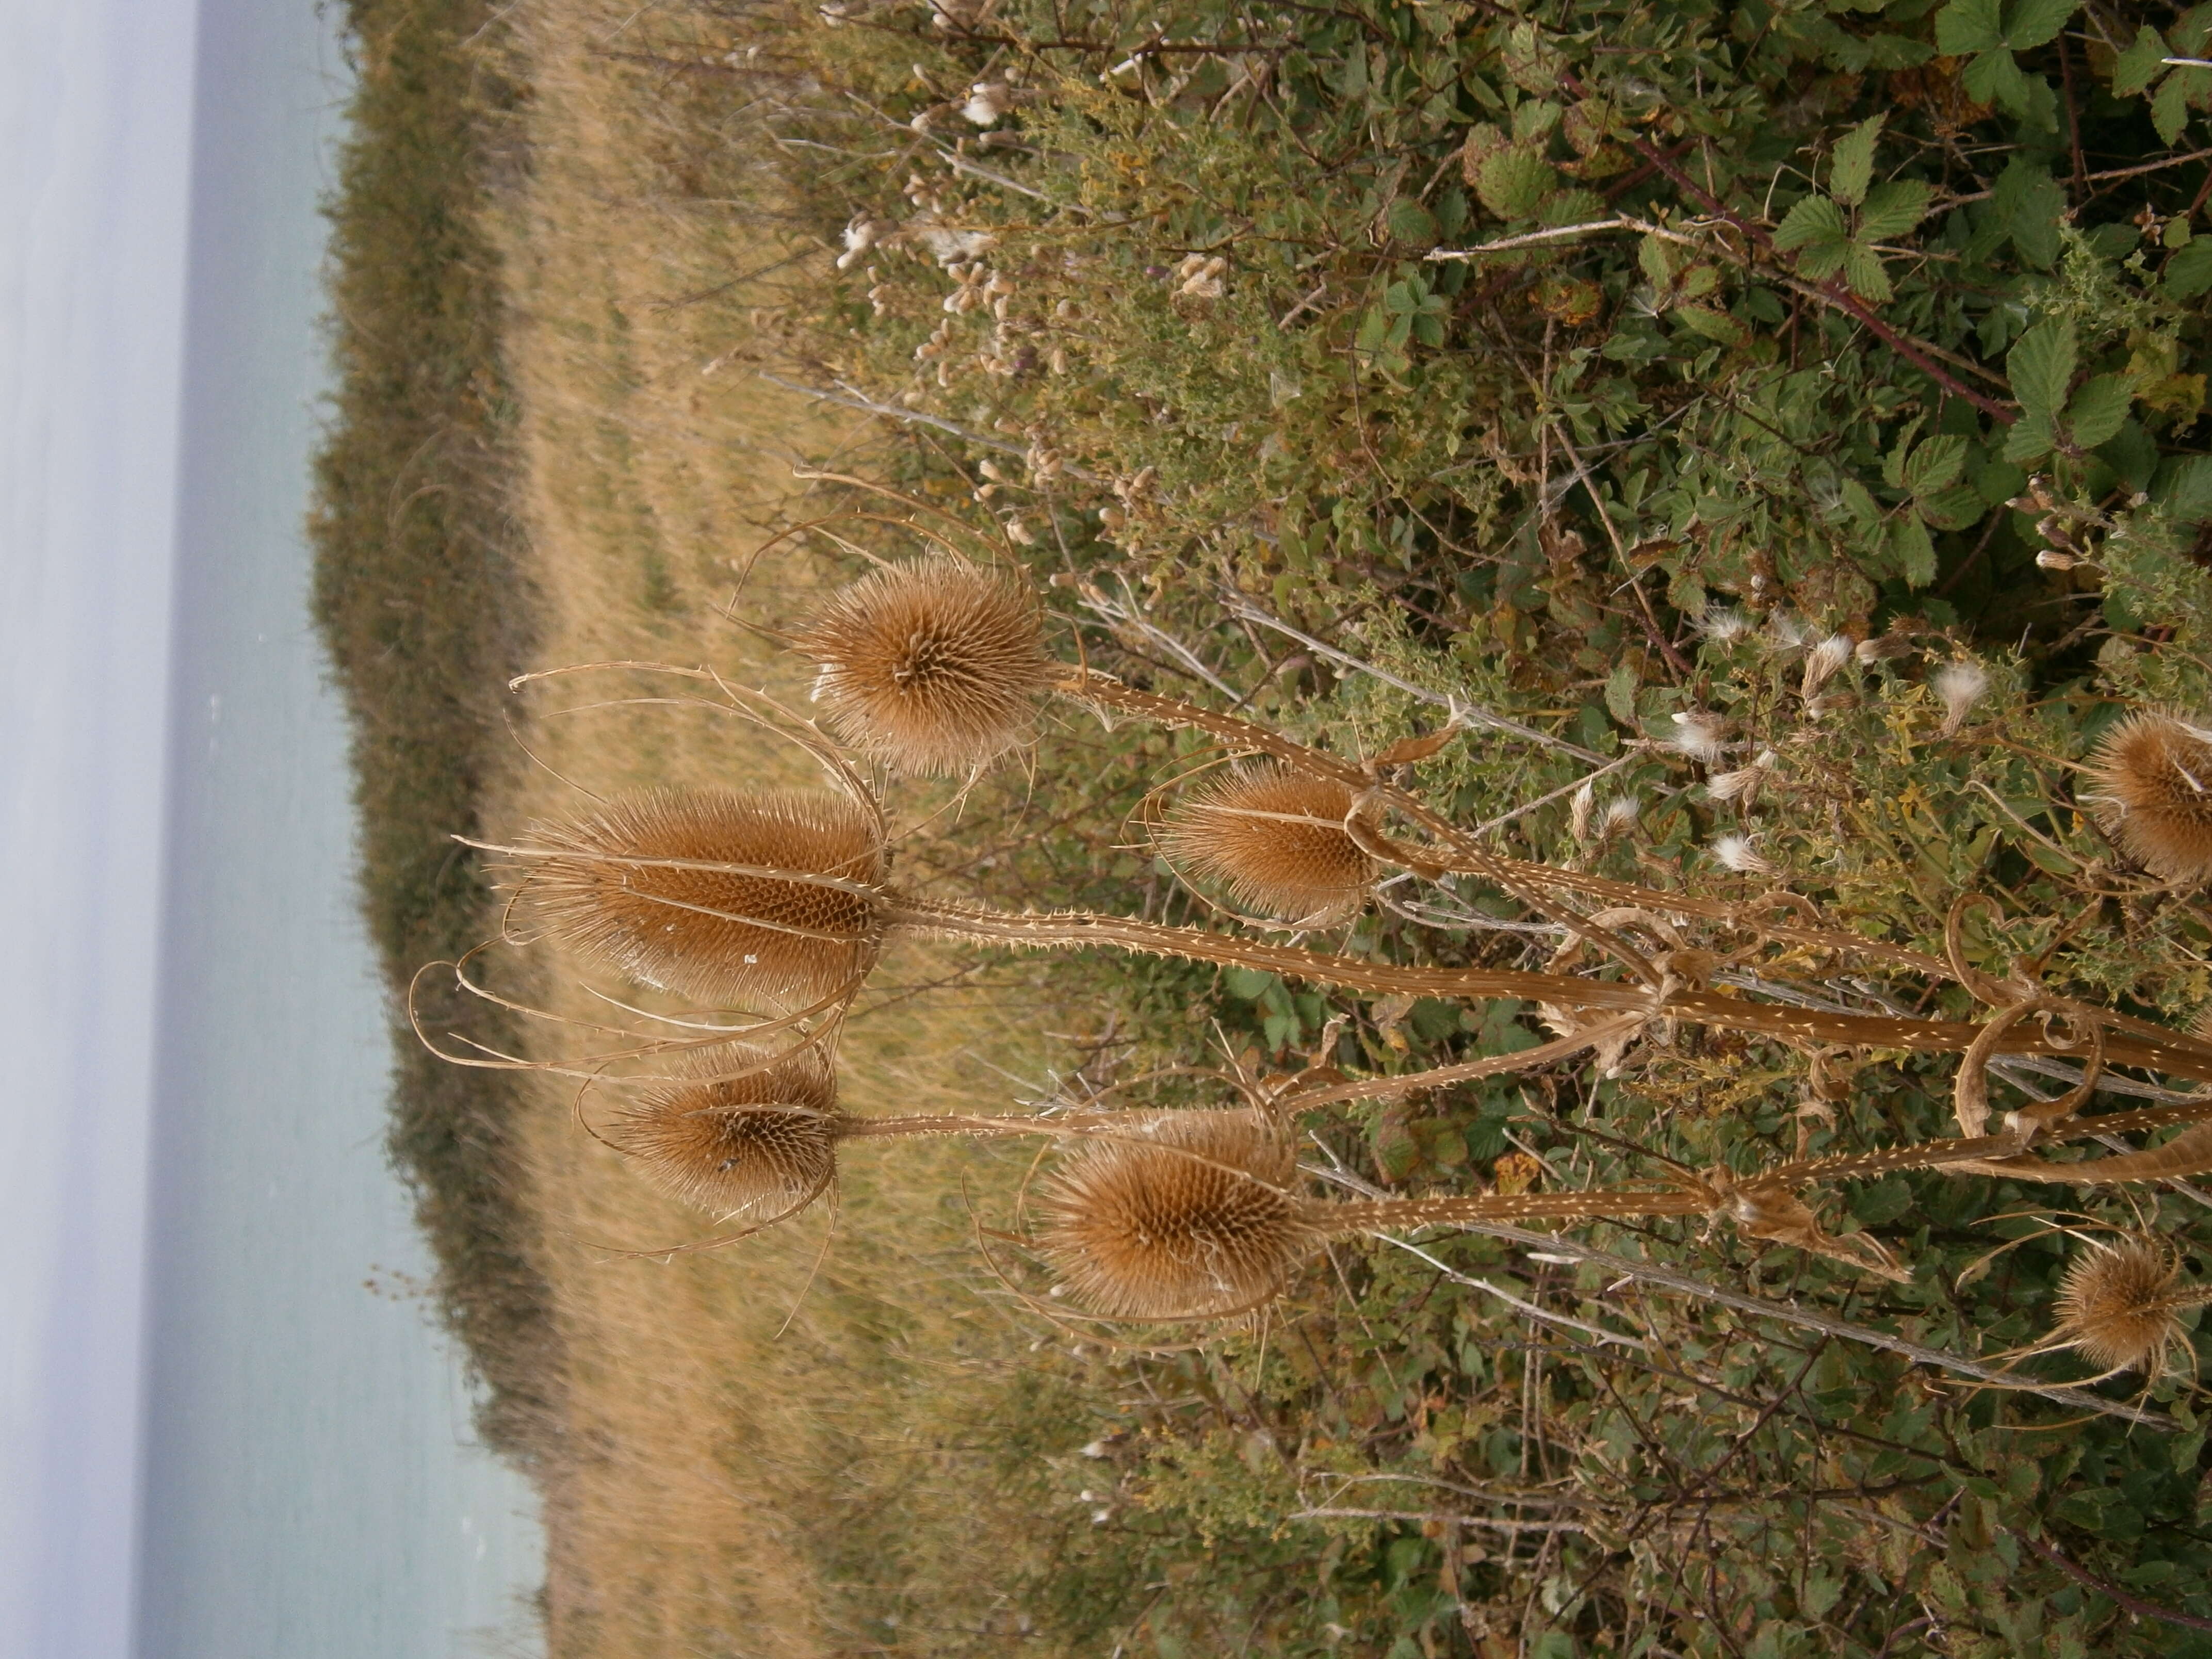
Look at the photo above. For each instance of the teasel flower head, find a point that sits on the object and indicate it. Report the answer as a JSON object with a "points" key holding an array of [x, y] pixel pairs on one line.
{"points": [[1275, 838], [748, 1134], [755, 901], [1188, 1214], [934, 666], [1959, 686], [2152, 775], [2119, 1305]]}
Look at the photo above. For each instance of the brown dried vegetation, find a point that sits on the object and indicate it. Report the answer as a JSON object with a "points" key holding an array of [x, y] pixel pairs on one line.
{"points": [[2153, 778]]}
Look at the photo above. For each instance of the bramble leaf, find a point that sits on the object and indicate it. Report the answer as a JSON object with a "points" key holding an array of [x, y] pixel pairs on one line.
{"points": [[1862, 268], [2140, 64], [1968, 26], [1815, 220], [1513, 182], [2040, 367], [2037, 22], [2029, 440], [1912, 550], [1893, 208], [1935, 465], [2097, 409], [1854, 164]]}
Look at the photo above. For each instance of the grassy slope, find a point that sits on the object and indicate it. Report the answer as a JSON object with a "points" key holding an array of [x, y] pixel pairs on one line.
{"points": [[422, 601]]}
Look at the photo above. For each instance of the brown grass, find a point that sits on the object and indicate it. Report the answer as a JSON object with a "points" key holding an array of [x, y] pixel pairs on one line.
{"points": [[719, 1483]]}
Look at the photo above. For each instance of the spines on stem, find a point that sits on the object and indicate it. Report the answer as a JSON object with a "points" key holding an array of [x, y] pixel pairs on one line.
{"points": [[934, 666], [705, 892], [747, 1134], [1275, 839], [1185, 1214], [2153, 791]]}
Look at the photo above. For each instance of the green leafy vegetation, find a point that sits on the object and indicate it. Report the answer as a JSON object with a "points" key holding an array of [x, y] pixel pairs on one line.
{"points": [[1592, 367]]}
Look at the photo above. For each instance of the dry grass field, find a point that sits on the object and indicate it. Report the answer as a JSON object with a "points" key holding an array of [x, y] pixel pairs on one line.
{"points": [[762, 1442]]}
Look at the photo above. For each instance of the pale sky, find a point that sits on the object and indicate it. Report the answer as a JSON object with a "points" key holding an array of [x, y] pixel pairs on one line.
{"points": [[300, 1479], [96, 108]]}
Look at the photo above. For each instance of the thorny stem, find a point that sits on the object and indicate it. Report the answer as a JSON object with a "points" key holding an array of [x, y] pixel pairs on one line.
{"points": [[1079, 929], [1808, 1319]]}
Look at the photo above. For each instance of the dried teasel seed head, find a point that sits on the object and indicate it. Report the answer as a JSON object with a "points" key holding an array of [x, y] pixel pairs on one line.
{"points": [[746, 1133], [1274, 837], [934, 666], [2117, 1305], [2153, 776], [635, 884], [1184, 1215]]}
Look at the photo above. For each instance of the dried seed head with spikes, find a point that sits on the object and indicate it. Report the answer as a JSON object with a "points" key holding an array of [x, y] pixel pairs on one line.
{"points": [[2117, 1305], [1183, 1214], [934, 666], [2153, 791], [747, 1134], [705, 892], [1275, 839]]}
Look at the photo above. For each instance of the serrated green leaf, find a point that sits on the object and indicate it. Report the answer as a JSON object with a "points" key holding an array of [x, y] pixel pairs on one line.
{"points": [[2040, 366], [1900, 450], [1935, 464], [2189, 272], [2029, 440], [1862, 269], [1513, 182], [1968, 26], [1821, 261], [1954, 508], [1893, 208], [2037, 22], [1657, 261], [2191, 32], [1854, 162], [1912, 550], [1811, 223], [2031, 205], [2183, 489], [1712, 324], [1428, 330], [1994, 78], [1410, 222], [1861, 503], [2097, 409], [2141, 63], [2169, 108]]}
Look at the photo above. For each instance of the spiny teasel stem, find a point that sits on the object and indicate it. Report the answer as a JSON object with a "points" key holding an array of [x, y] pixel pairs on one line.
{"points": [[1080, 929], [778, 897], [1456, 851]]}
